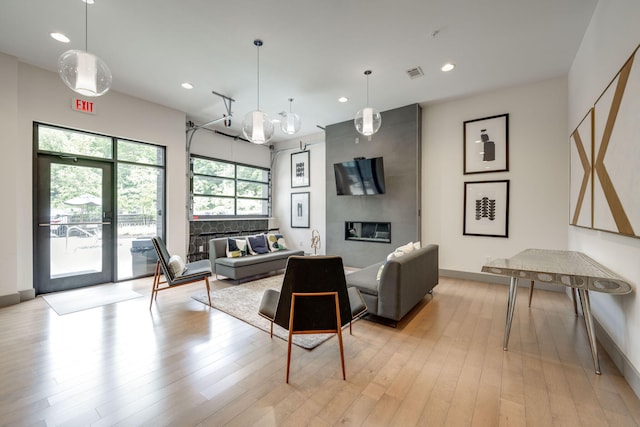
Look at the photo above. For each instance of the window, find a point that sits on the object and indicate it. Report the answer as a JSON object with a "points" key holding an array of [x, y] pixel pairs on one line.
{"points": [[139, 152], [226, 189], [67, 141], [140, 187]]}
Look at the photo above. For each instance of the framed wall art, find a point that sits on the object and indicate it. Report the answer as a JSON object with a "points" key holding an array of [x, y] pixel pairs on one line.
{"points": [[300, 169], [486, 144], [486, 208], [300, 210]]}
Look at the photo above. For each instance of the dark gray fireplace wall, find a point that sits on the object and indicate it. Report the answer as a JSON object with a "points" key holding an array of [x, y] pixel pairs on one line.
{"points": [[398, 143]]}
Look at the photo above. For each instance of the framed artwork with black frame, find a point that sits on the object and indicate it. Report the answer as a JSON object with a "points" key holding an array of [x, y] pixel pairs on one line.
{"points": [[300, 210], [300, 169], [486, 208], [486, 144]]}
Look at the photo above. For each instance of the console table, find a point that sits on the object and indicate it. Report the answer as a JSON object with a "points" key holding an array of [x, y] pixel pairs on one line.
{"points": [[566, 268]]}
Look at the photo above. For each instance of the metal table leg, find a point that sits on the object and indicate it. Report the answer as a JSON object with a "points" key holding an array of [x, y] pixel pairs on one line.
{"points": [[511, 304], [588, 322]]}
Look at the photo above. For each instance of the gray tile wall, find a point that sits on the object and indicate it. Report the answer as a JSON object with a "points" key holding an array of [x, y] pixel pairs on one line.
{"points": [[398, 143], [201, 231]]}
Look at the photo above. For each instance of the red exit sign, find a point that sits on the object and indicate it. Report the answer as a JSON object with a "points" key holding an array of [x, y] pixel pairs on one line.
{"points": [[83, 106]]}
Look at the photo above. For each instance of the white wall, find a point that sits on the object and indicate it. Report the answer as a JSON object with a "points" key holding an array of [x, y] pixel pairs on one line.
{"points": [[538, 173], [611, 37], [40, 95], [210, 144], [300, 238], [9, 146]]}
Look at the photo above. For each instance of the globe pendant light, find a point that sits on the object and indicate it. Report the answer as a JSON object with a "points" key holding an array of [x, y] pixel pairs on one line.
{"points": [[290, 122], [256, 125], [368, 120], [82, 71]]}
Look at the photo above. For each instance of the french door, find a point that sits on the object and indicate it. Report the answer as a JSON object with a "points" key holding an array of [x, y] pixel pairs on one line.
{"points": [[74, 224]]}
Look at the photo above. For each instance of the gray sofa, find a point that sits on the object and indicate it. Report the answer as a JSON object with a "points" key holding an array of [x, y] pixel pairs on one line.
{"points": [[403, 283], [246, 266]]}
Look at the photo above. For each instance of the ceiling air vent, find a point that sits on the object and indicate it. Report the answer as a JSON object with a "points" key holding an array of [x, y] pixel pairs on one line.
{"points": [[415, 72]]}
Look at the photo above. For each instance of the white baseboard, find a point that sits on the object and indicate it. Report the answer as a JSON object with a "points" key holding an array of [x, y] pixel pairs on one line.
{"points": [[501, 280], [623, 364]]}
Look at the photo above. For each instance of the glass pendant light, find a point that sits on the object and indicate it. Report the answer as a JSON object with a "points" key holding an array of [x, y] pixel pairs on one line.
{"points": [[82, 71], [290, 123], [256, 125], [368, 120]]}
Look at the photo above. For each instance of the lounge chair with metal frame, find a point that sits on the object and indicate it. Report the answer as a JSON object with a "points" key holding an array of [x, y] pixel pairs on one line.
{"points": [[314, 300], [191, 272]]}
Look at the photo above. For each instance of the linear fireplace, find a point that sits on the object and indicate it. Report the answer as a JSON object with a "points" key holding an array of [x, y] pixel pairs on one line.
{"points": [[368, 231]]}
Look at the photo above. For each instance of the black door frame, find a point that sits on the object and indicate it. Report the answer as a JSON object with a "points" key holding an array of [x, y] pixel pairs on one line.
{"points": [[42, 234]]}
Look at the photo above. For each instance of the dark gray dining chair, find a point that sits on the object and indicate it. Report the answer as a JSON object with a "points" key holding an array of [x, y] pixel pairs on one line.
{"points": [[314, 299]]}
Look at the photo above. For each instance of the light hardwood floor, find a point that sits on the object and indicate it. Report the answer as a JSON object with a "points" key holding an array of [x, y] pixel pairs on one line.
{"points": [[185, 364]]}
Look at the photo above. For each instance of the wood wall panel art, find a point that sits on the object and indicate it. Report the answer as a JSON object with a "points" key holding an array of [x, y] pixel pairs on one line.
{"points": [[581, 173], [616, 197]]}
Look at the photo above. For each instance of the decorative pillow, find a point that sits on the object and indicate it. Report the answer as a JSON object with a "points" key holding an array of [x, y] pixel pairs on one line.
{"points": [[236, 248], [176, 265], [405, 249], [394, 254], [257, 244], [276, 242], [417, 245]]}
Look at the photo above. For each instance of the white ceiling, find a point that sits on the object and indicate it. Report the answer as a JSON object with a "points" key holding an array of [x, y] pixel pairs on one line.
{"points": [[314, 51]]}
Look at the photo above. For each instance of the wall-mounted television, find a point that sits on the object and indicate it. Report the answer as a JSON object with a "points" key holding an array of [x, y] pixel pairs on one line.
{"points": [[360, 177]]}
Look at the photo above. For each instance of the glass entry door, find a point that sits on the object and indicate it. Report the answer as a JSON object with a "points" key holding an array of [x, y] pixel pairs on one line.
{"points": [[74, 245]]}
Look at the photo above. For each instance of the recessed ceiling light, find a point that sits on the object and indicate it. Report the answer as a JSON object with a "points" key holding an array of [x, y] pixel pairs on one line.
{"points": [[448, 67], [187, 85], [60, 37], [343, 99]]}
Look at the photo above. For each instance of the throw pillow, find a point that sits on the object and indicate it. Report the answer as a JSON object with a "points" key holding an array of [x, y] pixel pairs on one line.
{"points": [[276, 242], [417, 245], [176, 265], [405, 249], [257, 244], [393, 255], [236, 248]]}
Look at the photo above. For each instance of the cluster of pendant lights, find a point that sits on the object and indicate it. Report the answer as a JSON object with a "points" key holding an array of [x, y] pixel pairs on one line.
{"points": [[88, 75], [257, 127], [83, 72]]}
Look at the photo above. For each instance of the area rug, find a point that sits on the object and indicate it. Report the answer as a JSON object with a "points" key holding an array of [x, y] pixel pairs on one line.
{"points": [[91, 297], [243, 301]]}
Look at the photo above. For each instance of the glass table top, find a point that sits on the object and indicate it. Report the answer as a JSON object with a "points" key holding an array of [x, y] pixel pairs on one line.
{"points": [[567, 268]]}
